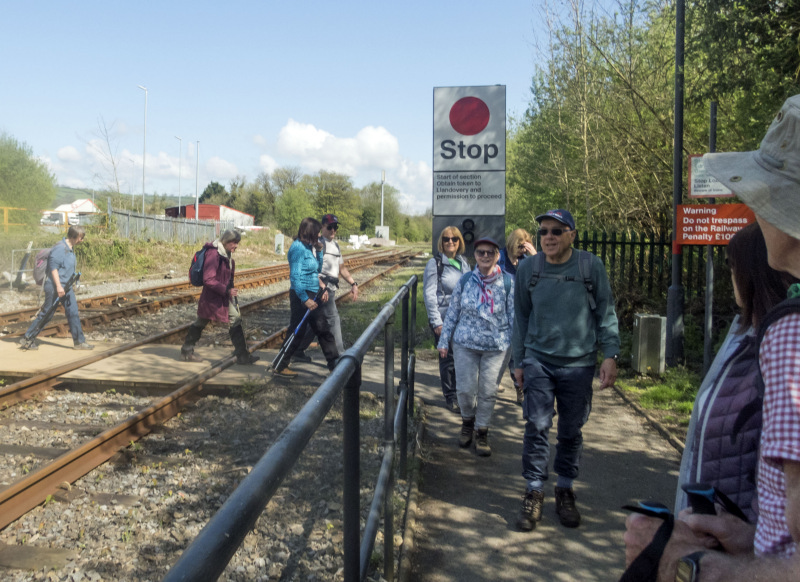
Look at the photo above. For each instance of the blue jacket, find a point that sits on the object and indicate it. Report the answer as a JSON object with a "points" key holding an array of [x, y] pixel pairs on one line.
{"points": [[61, 259], [304, 269], [472, 324]]}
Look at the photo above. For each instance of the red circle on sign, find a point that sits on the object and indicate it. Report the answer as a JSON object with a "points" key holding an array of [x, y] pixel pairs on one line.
{"points": [[469, 116]]}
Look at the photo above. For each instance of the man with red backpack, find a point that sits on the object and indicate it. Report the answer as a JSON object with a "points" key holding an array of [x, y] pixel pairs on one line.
{"points": [[60, 269]]}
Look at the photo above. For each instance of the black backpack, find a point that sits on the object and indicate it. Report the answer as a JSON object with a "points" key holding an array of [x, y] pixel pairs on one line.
{"points": [[196, 268]]}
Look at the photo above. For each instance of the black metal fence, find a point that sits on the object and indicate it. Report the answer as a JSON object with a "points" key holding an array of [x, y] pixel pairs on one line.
{"points": [[209, 554], [639, 264]]}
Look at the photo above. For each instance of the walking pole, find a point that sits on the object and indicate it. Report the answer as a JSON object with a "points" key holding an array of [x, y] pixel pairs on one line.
{"points": [[296, 333]]}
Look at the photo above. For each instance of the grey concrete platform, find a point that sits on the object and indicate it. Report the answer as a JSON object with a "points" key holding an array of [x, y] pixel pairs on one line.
{"points": [[467, 505]]}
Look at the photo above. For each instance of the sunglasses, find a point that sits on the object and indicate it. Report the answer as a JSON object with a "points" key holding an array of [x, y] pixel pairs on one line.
{"points": [[453, 239], [553, 231], [485, 253], [334, 226]]}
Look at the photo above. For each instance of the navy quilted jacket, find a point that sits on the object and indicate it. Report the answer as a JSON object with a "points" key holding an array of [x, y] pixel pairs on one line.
{"points": [[720, 457]]}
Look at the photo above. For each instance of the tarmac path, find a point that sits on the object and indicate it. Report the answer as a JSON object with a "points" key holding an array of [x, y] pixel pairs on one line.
{"points": [[465, 521]]}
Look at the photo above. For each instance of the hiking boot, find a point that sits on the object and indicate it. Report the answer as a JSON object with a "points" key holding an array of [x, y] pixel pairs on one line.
{"points": [[28, 345], [191, 357], [467, 428], [83, 346], [565, 507], [247, 360], [482, 443], [531, 511], [285, 373], [452, 406], [301, 356]]}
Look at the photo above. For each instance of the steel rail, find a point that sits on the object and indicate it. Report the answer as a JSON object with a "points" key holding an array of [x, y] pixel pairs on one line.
{"points": [[265, 276], [24, 389], [27, 493], [245, 279]]}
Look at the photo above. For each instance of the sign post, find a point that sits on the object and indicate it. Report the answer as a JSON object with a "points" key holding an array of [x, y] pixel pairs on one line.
{"points": [[469, 162]]}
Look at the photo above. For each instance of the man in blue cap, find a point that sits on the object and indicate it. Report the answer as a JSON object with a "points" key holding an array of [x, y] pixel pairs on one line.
{"points": [[564, 311]]}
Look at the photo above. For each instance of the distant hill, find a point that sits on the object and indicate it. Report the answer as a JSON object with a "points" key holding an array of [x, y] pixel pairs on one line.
{"points": [[66, 195]]}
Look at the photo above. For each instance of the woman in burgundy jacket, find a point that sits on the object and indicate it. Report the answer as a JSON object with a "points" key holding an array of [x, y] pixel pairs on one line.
{"points": [[218, 300]]}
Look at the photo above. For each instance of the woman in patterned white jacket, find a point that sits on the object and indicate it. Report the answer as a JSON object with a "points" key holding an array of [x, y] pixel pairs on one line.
{"points": [[479, 320]]}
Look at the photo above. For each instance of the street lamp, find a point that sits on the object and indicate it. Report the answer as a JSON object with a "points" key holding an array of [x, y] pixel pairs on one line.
{"points": [[144, 147], [383, 179], [180, 158], [196, 174]]}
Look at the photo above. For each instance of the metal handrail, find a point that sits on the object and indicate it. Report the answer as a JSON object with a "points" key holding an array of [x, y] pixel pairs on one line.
{"points": [[208, 555]]}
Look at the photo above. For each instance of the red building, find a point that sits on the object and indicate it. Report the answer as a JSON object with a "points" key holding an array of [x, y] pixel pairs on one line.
{"points": [[211, 212]]}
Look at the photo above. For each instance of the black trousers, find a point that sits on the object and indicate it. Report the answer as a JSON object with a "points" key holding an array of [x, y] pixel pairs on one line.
{"points": [[447, 373], [317, 322]]}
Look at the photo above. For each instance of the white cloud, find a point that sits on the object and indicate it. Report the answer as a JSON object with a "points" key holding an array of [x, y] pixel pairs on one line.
{"points": [[219, 170], [267, 163], [259, 140], [363, 157], [69, 154]]}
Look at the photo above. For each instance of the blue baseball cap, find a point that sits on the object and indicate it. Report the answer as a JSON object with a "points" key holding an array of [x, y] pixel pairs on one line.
{"points": [[485, 240], [559, 214]]}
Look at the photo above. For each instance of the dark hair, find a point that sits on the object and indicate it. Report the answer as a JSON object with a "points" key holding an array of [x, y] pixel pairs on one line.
{"points": [[760, 286], [75, 232], [309, 230]]}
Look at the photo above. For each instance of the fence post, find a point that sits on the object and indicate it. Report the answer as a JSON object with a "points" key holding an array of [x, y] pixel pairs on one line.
{"points": [[403, 436], [614, 254], [413, 345], [351, 518], [388, 439]]}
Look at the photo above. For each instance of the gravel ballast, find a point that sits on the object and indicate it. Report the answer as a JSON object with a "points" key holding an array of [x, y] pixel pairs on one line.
{"points": [[131, 518]]}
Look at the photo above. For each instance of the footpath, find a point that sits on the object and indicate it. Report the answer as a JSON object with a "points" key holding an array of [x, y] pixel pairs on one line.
{"points": [[464, 524]]}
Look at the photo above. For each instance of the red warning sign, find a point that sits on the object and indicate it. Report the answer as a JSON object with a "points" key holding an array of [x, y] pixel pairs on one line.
{"points": [[711, 224]]}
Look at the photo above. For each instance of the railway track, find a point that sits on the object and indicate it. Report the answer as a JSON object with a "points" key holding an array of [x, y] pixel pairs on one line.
{"points": [[104, 309], [47, 477]]}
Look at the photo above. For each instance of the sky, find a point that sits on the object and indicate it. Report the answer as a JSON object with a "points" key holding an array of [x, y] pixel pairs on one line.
{"points": [[345, 86]]}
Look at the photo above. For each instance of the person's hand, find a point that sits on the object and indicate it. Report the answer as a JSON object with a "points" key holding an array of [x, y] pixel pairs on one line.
{"points": [[437, 331], [529, 249], [639, 532], [519, 376], [733, 534], [354, 291], [234, 292], [319, 246], [608, 373], [60, 291], [324, 296], [443, 352], [311, 304]]}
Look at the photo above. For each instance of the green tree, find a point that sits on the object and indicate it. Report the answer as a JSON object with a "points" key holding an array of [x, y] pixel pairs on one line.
{"points": [[25, 182], [214, 193], [284, 178], [746, 56], [262, 200], [371, 207], [290, 208], [333, 193]]}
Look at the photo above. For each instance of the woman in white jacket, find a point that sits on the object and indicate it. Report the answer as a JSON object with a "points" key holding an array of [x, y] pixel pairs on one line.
{"points": [[441, 275]]}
